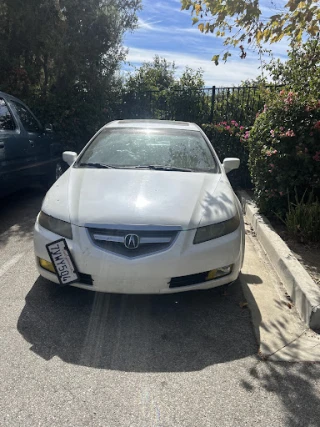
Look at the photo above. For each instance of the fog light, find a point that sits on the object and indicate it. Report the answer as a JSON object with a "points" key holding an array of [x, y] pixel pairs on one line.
{"points": [[211, 275], [219, 272], [47, 265]]}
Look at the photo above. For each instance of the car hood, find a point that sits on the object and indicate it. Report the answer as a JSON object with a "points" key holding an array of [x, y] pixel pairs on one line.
{"points": [[140, 197]]}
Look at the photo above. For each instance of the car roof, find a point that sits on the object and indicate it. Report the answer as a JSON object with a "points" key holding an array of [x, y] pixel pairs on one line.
{"points": [[153, 124], [7, 95]]}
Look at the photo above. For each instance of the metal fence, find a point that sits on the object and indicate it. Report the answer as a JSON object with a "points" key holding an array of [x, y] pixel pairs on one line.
{"points": [[197, 105]]}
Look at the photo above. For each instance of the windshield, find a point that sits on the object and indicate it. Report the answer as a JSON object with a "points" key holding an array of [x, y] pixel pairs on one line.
{"points": [[168, 149]]}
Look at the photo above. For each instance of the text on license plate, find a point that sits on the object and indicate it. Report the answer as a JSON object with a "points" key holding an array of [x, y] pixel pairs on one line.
{"points": [[62, 260]]}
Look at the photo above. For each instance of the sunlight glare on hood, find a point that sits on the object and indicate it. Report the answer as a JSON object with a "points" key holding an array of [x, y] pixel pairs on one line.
{"points": [[142, 202]]}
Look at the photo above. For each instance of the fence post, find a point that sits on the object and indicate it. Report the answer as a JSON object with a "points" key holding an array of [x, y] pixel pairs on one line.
{"points": [[213, 96]]}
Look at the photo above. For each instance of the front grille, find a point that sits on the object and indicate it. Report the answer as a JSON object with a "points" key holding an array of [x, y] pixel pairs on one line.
{"points": [[149, 240]]}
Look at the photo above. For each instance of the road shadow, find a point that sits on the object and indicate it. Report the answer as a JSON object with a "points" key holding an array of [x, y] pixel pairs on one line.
{"points": [[251, 279], [137, 333], [18, 213], [296, 385]]}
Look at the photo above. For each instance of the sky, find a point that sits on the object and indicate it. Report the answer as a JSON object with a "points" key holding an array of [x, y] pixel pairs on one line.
{"points": [[167, 31]]}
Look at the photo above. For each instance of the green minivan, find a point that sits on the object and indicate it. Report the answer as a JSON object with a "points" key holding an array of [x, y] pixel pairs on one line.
{"points": [[29, 153]]}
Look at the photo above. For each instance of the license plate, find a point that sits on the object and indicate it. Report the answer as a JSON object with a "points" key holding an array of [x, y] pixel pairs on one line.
{"points": [[63, 263]]}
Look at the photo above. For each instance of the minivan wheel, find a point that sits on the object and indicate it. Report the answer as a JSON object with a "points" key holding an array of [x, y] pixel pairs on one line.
{"points": [[58, 171], [55, 172]]}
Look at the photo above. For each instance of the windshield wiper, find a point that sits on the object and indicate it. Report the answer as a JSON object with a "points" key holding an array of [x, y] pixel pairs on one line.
{"points": [[96, 165], [164, 168]]}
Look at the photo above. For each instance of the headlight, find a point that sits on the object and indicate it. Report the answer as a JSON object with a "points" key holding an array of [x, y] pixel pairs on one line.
{"points": [[55, 225], [214, 231]]}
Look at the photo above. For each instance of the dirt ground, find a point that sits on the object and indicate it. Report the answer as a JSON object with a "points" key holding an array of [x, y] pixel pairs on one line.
{"points": [[307, 254]]}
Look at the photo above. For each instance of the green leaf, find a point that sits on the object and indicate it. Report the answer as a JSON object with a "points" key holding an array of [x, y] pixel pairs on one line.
{"points": [[215, 59]]}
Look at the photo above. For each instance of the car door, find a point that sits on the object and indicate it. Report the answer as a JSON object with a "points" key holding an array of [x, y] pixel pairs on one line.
{"points": [[38, 140], [14, 150]]}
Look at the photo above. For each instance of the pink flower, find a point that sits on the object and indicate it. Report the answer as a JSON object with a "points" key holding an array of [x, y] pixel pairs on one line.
{"points": [[272, 133], [317, 125], [241, 127], [281, 128], [270, 153], [247, 134], [316, 157], [289, 98], [271, 165], [290, 133], [227, 127], [265, 108]]}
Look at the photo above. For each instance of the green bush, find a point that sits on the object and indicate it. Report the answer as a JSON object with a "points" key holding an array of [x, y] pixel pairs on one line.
{"points": [[284, 150], [230, 140], [303, 220]]}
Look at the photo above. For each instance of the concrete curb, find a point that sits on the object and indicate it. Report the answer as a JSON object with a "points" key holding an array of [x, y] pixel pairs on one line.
{"points": [[302, 289]]}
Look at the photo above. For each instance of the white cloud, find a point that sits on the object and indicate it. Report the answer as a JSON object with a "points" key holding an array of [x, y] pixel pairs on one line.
{"points": [[149, 25], [229, 74], [167, 32], [144, 25]]}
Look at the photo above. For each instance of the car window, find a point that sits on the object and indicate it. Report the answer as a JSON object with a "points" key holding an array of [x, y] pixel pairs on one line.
{"points": [[29, 122], [143, 147], [6, 119]]}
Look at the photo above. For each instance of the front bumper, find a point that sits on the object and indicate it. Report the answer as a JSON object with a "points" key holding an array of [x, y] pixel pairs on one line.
{"points": [[148, 274]]}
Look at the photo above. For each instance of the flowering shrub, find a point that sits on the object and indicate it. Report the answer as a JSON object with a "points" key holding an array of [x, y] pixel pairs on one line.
{"points": [[284, 146], [229, 139]]}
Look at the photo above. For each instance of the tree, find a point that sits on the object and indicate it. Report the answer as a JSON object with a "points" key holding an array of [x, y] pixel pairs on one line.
{"points": [[301, 72], [241, 22], [154, 91], [191, 79], [152, 76], [188, 98], [60, 56]]}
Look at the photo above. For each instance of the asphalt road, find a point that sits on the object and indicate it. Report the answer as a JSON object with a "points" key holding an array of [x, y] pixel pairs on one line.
{"points": [[74, 358]]}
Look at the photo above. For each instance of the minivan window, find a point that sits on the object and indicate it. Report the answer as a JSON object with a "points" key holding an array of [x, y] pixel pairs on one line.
{"points": [[6, 120], [29, 122]]}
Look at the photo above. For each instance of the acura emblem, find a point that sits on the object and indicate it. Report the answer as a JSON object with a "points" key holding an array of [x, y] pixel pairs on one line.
{"points": [[131, 241]]}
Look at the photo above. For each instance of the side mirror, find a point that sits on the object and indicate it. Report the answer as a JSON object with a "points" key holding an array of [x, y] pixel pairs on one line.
{"points": [[48, 128], [69, 157], [231, 163]]}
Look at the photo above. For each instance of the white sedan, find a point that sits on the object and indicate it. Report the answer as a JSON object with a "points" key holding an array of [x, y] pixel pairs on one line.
{"points": [[146, 207]]}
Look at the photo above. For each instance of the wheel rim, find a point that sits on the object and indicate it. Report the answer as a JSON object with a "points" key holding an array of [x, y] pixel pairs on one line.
{"points": [[59, 171]]}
